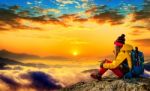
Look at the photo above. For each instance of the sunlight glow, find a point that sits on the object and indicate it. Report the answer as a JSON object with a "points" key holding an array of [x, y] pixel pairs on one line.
{"points": [[75, 53]]}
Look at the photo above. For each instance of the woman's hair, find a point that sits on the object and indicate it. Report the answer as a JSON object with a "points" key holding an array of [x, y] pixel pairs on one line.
{"points": [[119, 43]]}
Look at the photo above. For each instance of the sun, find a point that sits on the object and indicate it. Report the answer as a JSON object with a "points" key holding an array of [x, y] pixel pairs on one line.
{"points": [[75, 53]]}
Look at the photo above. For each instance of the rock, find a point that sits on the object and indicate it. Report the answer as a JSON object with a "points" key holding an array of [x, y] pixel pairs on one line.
{"points": [[112, 84]]}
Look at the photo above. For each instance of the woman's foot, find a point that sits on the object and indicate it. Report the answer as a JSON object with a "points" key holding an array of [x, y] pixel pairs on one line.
{"points": [[96, 76]]}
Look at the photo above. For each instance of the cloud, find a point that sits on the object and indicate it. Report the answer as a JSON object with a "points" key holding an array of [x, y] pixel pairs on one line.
{"points": [[65, 1], [28, 78], [136, 32], [15, 7], [141, 15], [16, 17], [51, 10], [36, 80], [144, 13], [29, 3], [109, 16], [42, 11], [143, 42], [84, 0], [70, 17], [42, 81], [91, 10], [10, 20], [10, 82], [23, 13], [8, 16], [142, 27]]}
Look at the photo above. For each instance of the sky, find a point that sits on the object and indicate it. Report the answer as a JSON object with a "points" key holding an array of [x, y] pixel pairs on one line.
{"points": [[73, 28]]}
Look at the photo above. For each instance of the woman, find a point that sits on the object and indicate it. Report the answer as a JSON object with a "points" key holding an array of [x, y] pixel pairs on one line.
{"points": [[122, 56]]}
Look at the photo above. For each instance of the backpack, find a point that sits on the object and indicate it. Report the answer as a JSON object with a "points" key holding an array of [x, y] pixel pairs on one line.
{"points": [[137, 58]]}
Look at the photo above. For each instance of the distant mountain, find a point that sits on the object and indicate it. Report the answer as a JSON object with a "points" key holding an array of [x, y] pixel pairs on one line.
{"points": [[19, 56], [16, 56], [9, 61], [6, 61]]}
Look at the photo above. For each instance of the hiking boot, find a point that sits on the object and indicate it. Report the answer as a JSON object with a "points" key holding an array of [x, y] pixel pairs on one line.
{"points": [[96, 76]]}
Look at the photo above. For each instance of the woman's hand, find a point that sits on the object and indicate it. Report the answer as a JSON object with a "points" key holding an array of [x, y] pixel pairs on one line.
{"points": [[102, 62]]}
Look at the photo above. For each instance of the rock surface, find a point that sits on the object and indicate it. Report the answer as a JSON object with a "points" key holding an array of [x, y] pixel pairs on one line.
{"points": [[112, 84]]}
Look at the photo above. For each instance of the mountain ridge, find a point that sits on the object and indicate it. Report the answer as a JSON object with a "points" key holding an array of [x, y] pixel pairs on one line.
{"points": [[19, 56]]}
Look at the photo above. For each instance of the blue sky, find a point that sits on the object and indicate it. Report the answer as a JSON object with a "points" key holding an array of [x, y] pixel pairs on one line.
{"points": [[73, 6]]}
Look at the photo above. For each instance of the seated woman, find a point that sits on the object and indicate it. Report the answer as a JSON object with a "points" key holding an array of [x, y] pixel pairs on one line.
{"points": [[122, 56]]}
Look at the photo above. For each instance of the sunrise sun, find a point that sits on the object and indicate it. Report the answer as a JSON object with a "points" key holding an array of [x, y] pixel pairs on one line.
{"points": [[75, 53]]}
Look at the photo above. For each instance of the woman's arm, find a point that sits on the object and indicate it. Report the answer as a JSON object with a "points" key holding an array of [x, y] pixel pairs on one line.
{"points": [[115, 63]]}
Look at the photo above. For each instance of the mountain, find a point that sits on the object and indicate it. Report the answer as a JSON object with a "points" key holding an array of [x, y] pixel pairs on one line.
{"points": [[6, 61], [16, 56], [19, 56], [112, 84]]}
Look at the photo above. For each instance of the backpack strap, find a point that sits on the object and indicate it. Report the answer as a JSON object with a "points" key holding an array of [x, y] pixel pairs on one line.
{"points": [[137, 56]]}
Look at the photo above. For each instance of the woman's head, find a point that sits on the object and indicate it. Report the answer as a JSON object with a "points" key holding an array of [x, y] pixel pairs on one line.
{"points": [[118, 44]]}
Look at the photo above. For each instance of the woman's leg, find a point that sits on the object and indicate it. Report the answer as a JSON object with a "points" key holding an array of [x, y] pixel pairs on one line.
{"points": [[117, 71], [103, 70]]}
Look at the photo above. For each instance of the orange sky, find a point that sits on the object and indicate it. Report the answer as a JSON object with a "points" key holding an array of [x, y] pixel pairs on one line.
{"points": [[72, 37]]}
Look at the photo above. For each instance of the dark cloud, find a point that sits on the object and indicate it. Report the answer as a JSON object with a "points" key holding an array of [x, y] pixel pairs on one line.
{"points": [[44, 18], [146, 5], [41, 81], [73, 17], [3, 29], [141, 15], [143, 42], [145, 12], [99, 9], [142, 27], [10, 82], [112, 16], [9, 17], [24, 13], [136, 32], [81, 19], [68, 16], [102, 13], [15, 7]]}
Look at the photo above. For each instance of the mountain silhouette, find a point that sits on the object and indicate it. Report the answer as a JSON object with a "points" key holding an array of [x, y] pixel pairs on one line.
{"points": [[6, 61], [16, 56], [19, 56]]}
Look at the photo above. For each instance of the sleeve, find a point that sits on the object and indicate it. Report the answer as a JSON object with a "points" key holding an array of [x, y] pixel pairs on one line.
{"points": [[129, 61], [115, 63]]}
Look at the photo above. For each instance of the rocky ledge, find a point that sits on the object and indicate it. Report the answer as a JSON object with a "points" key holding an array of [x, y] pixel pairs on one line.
{"points": [[112, 84]]}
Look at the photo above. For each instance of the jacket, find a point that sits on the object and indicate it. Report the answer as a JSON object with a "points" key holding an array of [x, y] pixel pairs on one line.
{"points": [[125, 53]]}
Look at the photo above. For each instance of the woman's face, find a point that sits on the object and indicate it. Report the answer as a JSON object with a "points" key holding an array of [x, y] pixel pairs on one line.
{"points": [[116, 50]]}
